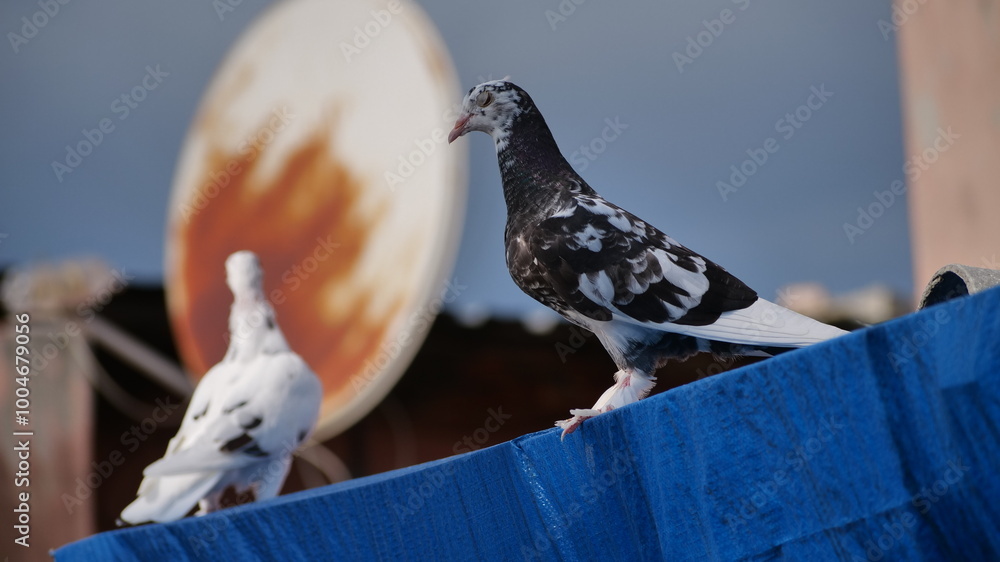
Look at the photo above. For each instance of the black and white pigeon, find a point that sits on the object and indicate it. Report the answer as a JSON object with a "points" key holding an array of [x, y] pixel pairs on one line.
{"points": [[646, 297], [247, 416]]}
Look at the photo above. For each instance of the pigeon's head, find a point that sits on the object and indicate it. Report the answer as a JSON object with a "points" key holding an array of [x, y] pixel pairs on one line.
{"points": [[491, 107], [243, 273]]}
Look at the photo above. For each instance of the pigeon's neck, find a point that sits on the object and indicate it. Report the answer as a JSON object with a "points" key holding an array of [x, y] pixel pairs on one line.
{"points": [[253, 329], [534, 173]]}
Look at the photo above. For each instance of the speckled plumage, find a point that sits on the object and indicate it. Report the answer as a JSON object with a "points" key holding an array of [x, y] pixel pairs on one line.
{"points": [[247, 416], [647, 298]]}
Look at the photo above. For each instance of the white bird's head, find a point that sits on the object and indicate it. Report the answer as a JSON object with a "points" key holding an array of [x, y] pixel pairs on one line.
{"points": [[243, 273], [492, 108], [253, 327]]}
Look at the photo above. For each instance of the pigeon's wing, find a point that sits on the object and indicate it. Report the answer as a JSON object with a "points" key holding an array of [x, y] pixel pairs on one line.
{"points": [[227, 446], [209, 389], [167, 498], [607, 264], [268, 414], [604, 262]]}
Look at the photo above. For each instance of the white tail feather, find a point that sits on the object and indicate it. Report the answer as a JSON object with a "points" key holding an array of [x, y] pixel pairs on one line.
{"points": [[169, 498], [762, 323]]}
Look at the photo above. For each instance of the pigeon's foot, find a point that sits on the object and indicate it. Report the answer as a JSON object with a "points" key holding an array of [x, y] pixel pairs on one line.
{"points": [[630, 386], [571, 425]]}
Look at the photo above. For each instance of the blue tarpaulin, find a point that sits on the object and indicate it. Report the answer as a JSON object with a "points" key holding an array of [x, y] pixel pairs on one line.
{"points": [[880, 445]]}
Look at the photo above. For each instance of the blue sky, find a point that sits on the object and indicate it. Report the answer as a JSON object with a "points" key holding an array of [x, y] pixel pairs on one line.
{"points": [[694, 88]]}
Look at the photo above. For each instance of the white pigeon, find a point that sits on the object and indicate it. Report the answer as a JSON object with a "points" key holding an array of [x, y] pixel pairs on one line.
{"points": [[646, 297], [247, 416]]}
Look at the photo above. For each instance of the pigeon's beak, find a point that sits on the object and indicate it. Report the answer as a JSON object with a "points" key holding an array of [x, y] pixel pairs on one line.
{"points": [[459, 129]]}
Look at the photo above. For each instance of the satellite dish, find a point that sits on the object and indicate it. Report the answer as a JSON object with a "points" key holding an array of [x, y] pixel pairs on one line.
{"points": [[321, 146]]}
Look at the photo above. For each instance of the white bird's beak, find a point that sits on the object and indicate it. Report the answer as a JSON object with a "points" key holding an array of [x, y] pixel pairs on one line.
{"points": [[459, 129]]}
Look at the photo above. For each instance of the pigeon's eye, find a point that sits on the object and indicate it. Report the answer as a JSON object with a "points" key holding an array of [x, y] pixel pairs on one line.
{"points": [[484, 99]]}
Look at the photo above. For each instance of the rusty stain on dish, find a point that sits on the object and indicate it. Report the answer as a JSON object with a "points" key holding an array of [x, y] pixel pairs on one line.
{"points": [[305, 256]]}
